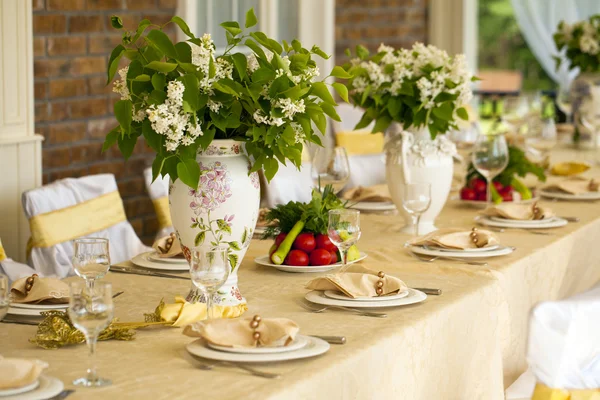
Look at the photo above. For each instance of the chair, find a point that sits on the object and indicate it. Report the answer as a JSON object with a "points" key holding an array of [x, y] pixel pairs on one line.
{"points": [[159, 194], [11, 268], [563, 350], [71, 208], [289, 184]]}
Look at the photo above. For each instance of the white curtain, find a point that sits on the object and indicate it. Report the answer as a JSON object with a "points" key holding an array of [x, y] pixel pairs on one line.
{"points": [[538, 20]]}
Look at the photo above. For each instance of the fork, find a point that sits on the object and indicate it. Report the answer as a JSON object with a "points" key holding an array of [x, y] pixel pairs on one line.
{"points": [[431, 259], [501, 230], [253, 371], [319, 309]]}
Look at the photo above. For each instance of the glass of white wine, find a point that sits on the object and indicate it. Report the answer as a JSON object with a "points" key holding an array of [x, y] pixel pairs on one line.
{"points": [[343, 230], [330, 166], [416, 199], [209, 271], [490, 157], [91, 259], [90, 311], [4, 296], [544, 140]]}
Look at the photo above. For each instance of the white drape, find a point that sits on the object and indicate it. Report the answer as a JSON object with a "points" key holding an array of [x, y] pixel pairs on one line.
{"points": [[538, 20]]}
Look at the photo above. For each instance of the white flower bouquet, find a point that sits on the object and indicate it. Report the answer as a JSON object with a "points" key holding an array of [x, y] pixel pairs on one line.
{"points": [[181, 96], [581, 42], [417, 87]]}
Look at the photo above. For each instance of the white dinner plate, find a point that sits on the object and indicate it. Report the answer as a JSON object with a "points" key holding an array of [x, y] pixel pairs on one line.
{"points": [[526, 222], [318, 297], [264, 260], [374, 206], [553, 223], [554, 194], [476, 250], [41, 307], [314, 347], [500, 251], [19, 390], [298, 343], [31, 313], [48, 388], [153, 256], [333, 294], [143, 260]]}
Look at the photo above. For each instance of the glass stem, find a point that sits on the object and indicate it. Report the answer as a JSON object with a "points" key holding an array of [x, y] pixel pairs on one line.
{"points": [[91, 340], [344, 254], [89, 283], [416, 220], [488, 195], [209, 313]]}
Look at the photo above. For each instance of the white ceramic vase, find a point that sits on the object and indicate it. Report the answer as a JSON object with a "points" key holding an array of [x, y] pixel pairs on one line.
{"points": [[223, 210], [416, 158]]}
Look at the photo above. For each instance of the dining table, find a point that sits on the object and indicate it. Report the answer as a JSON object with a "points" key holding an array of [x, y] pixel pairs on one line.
{"points": [[467, 343]]}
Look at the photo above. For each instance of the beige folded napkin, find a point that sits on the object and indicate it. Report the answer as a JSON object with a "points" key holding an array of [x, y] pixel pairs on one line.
{"points": [[168, 246], [576, 186], [455, 238], [242, 332], [521, 212], [34, 289], [375, 193], [358, 281], [19, 372]]}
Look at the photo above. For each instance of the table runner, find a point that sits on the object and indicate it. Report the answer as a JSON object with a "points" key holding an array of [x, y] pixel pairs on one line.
{"points": [[468, 343]]}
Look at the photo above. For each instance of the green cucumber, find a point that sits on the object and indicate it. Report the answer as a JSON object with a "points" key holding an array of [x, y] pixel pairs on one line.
{"points": [[285, 246], [521, 188], [496, 198]]}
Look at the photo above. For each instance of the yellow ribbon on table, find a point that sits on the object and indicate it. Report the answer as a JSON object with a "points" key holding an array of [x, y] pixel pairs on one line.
{"points": [[183, 313], [163, 213], [543, 392], [75, 221], [360, 143], [2, 252]]}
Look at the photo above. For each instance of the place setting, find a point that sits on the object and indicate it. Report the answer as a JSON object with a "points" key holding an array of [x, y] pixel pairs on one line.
{"points": [[374, 198], [25, 379], [32, 295], [573, 189], [167, 255], [521, 216]]}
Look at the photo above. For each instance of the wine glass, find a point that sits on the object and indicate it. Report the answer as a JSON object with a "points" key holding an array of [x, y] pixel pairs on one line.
{"points": [[591, 125], [91, 259], [490, 157], [563, 101], [343, 230], [330, 166], [4, 295], [209, 271], [416, 199], [544, 140], [90, 311]]}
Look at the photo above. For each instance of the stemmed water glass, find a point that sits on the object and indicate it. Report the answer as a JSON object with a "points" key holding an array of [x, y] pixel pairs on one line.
{"points": [[591, 125], [544, 140], [4, 295], [343, 230], [91, 259], [90, 311], [416, 199], [490, 157], [209, 271], [330, 166], [563, 101]]}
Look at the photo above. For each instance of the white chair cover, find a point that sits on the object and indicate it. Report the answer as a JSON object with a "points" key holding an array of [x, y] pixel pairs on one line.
{"points": [[13, 269], [56, 260], [289, 184], [564, 346], [157, 189], [366, 170]]}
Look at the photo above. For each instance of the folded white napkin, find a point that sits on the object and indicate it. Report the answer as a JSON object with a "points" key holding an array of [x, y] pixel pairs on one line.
{"points": [[456, 238], [521, 212], [19, 372]]}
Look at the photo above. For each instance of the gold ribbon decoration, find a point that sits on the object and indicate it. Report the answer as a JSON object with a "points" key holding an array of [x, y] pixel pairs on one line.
{"points": [[75, 221], [543, 392], [2, 252], [163, 213]]}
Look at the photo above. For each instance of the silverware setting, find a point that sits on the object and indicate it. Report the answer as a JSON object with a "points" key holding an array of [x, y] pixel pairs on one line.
{"points": [[423, 258], [430, 291], [317, 308], [253, 371], [331, 339], [118, 294], [501, 230], [137, 271], [571, 219]]}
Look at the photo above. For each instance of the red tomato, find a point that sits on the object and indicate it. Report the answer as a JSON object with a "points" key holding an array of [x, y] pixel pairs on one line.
{"points": [[280, 238], [508, 189], [507, 196], [481, 197], [297, 258], [334, 257], [478, 185], [305, 242], [498, 186], [323, 242], [468, 194], [320, 257]]}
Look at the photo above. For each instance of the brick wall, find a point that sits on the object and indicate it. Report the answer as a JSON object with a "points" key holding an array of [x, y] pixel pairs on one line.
{"points": [[397, 23], [73, 105]]}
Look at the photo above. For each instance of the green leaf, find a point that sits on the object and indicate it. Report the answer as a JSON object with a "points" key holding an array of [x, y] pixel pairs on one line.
{"points": [[382, 123], [190, 93], [140, 29], [116, 22], [158, 81], [199, 239], [235, 246], [142, 78], [362, 52], [161, 66], [250, 18], [342, 90], [270, 167], [317, 50], [263, 75], [365, 120], [241, 64], [255, 48], [206, 139], [154, 140], [183, 26], [339, 72], [157, 97], [123, 110], [184, 52], [462, 113], [113, 62], [188, 171], [320, 89], [233, 259], [111, 138], [224, 226], [444, 111], [330, 111], [157, 166], [232, 27], [126, 145], [244, 235], [161, 41]]}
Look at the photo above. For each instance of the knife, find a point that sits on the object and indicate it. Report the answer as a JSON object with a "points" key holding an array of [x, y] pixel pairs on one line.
{"points": [[63, 395], [332, 339], [147, 273], [434, 292]]}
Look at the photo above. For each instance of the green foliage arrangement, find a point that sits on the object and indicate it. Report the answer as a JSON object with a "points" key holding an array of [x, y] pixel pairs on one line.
{"points": [[181, 96], [581, 42]]}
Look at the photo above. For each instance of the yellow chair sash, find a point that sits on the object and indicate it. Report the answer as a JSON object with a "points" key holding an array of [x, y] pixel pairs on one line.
{"points": [[82, 219], [163, 213], [543, 392], [360, 143], [2, 252]]}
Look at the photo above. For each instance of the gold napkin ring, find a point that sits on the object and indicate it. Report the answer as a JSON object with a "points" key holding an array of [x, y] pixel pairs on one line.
{"points": [[170, 241], [379, 287], [29, 283], [536, 211], [474, 236], [254, 325], [593, 185]]}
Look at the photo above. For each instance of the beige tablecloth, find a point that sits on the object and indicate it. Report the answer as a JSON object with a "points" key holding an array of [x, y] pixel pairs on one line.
{"points": [[468, 343]]}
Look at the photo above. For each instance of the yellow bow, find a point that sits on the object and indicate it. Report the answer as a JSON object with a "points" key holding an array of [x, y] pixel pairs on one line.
{"points": [[161, 206]]}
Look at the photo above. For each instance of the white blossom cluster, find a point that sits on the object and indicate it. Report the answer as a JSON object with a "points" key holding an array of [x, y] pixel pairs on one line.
{"points": [[399, 66], [120, 85], [169, 119], [589, 39]]}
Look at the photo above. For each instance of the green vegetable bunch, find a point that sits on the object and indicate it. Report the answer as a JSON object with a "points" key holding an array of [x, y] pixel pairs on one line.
{"points": [[181, 96], [581, 41]]}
